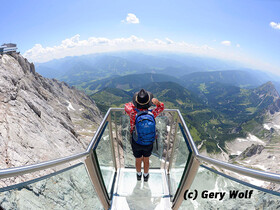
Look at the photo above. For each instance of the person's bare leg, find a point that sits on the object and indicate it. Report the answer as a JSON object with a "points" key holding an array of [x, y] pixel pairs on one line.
{"points": [[138, 162], [146, 164]]}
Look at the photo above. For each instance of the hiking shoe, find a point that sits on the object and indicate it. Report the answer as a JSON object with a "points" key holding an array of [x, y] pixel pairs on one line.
{"points": [[138, 176], [146, 178]]}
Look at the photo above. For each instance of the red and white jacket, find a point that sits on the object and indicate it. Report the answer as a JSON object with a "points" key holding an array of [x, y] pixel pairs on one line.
{"points": [[130, 109]]}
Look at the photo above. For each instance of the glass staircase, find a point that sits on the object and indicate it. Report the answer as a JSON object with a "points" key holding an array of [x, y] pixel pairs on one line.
{"points": [[104, 176]]}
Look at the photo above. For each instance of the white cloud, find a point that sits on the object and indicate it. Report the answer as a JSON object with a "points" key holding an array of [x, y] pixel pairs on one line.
{"points": [[226, 43], [158, 41], [169, 41], [131, 18], [74, 46], [275, 25], [238, 45]]}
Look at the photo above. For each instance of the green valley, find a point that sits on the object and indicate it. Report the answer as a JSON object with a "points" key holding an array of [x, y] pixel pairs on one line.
{"points": [[216, 113]]}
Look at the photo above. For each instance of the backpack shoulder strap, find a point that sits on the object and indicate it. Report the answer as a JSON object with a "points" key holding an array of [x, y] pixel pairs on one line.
{"points": [[151, 113], [141, 112]]}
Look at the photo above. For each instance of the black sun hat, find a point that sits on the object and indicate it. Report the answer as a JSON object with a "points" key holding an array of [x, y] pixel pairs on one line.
{"points": [[142, 99]]}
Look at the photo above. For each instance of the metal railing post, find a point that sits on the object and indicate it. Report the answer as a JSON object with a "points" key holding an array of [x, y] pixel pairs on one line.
{"points": [[122, 142], [172, 150], [96, 179], [188, 134], [168, 141], [187, 180], [112, 140], [117, 138]]}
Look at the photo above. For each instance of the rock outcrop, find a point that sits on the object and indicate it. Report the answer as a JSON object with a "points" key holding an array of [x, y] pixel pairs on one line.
{"points": [[268, 93], [40, 119], [252, 150]]}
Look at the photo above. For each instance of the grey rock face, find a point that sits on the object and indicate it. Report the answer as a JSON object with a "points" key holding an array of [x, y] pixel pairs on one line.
{"points": [[252, 150], [269, 90], [40, 119]]}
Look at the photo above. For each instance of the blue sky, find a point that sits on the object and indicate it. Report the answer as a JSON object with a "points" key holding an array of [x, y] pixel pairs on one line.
{"points": [[246, 31]]}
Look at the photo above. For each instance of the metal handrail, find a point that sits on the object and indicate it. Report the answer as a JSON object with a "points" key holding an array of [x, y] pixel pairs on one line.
{"points": [[16, 171], [267, 176], [93, 141]]}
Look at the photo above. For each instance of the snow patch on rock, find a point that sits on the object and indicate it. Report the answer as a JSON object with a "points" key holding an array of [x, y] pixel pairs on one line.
{"points": [[70, 107], [251, 138], [266, 126]]}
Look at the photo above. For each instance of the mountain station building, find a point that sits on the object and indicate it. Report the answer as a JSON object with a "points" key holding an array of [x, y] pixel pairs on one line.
{"points": [[8, 48]]}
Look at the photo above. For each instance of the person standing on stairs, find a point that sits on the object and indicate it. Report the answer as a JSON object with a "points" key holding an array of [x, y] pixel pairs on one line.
{"points": [[143, 128]]}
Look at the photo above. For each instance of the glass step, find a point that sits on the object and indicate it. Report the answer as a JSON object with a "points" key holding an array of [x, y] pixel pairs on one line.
{"points": [[132, 194]]}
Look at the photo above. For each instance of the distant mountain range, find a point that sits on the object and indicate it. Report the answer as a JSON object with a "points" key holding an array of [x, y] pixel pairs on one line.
{"points": [[128, 82], [85, 71], [231, 77], [193, 81], [75, 70]]}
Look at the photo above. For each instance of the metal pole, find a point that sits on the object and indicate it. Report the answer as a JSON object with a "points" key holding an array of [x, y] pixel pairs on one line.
{"points": [[266, 176], [16, 171], [112, 141], [93, 141], [96, 179], [117, 138], [174, 141], [168, 142], [190, 140]]}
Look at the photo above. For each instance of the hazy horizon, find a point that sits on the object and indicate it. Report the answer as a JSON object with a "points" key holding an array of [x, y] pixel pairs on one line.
{"points": [[245, 32]]}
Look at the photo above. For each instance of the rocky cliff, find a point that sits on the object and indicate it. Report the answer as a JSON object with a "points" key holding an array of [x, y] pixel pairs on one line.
{"points": [[40, 119], [268, 91]]}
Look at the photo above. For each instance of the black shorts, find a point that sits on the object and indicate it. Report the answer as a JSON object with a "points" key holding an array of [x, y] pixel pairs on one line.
{"points": [[141, 150]]}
